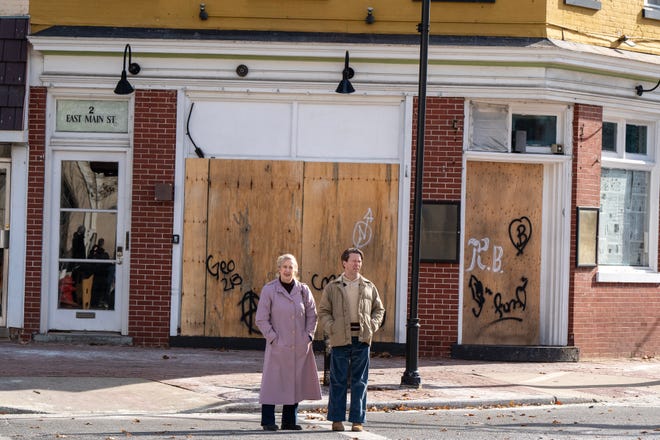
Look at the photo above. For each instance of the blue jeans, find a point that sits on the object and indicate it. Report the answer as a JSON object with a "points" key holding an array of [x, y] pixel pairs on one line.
{"points": [[289, 415], [349, 360]]}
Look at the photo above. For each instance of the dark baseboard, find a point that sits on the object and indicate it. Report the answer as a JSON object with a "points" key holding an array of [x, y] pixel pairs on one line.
{"points": [[515, 353]]}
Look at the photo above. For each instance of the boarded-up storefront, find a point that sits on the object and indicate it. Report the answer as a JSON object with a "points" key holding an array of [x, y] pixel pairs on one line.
{"points": [[502, 253], [240, 215]]}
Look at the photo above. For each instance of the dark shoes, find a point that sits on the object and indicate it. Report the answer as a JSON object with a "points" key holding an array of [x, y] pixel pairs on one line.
{"points": [[291, 428], [284, 427]]}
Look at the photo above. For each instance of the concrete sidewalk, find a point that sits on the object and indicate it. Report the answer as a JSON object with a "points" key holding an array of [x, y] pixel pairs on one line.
{"points": [[83, 379]]}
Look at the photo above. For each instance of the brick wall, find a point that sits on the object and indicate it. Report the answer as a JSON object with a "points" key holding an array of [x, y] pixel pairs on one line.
{"points": [[35, 212], [605, 319], [438, 282], [151, 222]]}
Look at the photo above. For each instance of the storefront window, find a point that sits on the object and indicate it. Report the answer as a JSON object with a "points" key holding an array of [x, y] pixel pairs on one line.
{"points": [[624, 204], [625, 233]]}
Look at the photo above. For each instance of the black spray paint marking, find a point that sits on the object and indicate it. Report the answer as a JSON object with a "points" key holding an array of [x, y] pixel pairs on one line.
{"points": [[502, 308], [229, 279], [319, 285], [520, 232], [248, 305]]}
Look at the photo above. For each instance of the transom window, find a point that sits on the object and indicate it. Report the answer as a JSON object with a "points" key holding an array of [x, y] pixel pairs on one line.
{"points": [[517, 128]]}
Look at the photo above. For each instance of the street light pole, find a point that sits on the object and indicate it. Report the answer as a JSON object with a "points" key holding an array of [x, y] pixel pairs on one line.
{"points": [[411, 376]]}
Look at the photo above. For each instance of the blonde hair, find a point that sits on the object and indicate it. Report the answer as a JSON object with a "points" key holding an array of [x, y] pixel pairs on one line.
{"points": [[288, 257]]}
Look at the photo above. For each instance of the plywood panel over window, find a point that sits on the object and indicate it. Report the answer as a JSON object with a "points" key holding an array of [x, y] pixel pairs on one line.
{"points": [[352, 205], [502, 266], [240, 215]]}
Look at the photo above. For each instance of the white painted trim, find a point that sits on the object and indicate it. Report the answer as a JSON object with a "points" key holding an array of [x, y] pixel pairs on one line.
{"points": [[401, 297], [183, 108], [555, 249], [17, 236], [616, 274], [10, 136]]}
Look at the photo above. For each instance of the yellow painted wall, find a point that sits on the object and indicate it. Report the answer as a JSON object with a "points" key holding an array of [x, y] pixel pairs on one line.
{"points": [[604, 27], [513, 18], [502, 18]]}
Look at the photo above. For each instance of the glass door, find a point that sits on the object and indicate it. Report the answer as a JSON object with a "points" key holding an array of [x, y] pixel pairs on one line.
{"points": [[4, 239], [92, 241]]}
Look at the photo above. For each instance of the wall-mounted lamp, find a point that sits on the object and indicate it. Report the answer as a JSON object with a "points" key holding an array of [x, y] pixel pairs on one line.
{"points": [[640, 90], [123, 86], [626, 40], [203, 15], [345, 85], [370, 16]]}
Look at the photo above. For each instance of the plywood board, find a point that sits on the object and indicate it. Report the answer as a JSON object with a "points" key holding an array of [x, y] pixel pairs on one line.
{"points": [[255, 214], [193, 289], [240, 215], [502, 258], [352, 205]]}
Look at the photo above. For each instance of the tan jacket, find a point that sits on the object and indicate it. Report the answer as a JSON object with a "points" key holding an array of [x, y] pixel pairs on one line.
{"points": [[334, 313]]}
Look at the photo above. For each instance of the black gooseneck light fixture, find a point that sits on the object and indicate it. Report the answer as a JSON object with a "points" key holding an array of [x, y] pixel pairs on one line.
{"points": [[345, 85], [123, 86], [640, 90]]}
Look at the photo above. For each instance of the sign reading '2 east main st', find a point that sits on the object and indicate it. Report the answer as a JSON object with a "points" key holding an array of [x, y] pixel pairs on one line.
{"points": [[97, 116]]}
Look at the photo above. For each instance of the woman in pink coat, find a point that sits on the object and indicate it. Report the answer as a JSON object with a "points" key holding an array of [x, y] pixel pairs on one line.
{"points": [[286, 316]]}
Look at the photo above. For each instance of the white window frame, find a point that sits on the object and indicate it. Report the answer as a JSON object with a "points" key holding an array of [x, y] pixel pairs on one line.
{"points": [[619, 159], [651, 9], [536, 109], [590, 4]]}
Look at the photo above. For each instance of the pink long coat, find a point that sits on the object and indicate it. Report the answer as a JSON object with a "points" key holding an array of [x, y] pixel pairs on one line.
{"points": [[288, 322]]}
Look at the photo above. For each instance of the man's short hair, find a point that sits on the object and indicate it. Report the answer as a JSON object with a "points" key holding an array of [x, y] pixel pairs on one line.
{"points": [[347, 253]]}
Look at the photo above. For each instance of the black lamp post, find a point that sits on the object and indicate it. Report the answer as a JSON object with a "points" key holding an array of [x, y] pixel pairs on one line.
{"points": [[411, 377]]}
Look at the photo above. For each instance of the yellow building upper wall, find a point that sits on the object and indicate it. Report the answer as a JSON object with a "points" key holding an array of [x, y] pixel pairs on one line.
{"points": [[502, 18], [604, 27], [512, 18]]}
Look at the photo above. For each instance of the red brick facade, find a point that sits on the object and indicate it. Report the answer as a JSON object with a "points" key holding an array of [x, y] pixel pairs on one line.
{"points": [[605, 319], [151, 223], [438, 282], [35, 212]]}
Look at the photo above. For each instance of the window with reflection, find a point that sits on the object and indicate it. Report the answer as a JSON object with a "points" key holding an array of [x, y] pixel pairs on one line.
{"points": [[88, 229]]}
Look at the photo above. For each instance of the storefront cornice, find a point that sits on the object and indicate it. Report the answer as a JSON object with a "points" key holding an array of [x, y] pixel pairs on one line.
{"points": [[551, 55]]}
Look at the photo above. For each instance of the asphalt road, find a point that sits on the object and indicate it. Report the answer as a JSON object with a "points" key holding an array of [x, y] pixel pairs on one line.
{"points": [[560, 422]]}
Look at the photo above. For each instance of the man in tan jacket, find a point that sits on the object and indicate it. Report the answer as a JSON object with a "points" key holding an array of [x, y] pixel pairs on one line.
{"points": [[350, 312]]}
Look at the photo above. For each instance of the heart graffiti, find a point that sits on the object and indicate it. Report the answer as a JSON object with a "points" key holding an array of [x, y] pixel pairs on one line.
{"points": [[520, 232]]}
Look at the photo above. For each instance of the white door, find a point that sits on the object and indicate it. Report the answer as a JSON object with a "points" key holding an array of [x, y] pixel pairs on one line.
{"points": [[89, 242], [4, 238]]}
